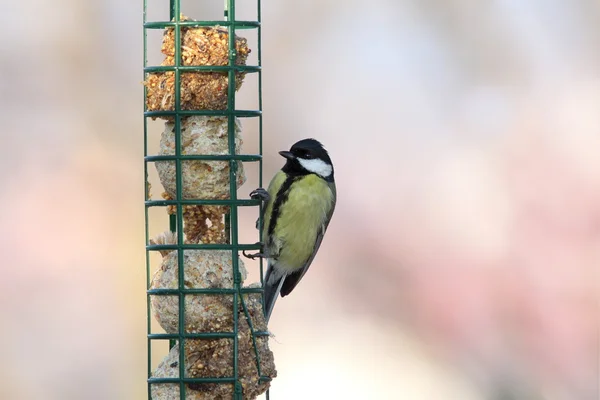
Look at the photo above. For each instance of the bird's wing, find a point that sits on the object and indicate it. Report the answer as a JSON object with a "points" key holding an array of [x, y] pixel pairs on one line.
{"points": [[292, 279]]}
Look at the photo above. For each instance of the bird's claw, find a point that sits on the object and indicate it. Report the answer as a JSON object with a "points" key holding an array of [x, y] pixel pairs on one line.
{"points": [[253, 256], [260, 194]]}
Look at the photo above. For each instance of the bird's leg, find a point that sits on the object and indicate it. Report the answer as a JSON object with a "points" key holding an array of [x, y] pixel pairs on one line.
{"points": [[262, 195], [255, 255]]}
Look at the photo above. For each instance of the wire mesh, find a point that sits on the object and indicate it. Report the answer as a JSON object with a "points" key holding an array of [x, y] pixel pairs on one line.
{"points": [[176, 221]]}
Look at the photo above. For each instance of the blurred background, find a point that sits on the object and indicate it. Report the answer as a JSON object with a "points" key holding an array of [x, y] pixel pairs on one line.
{"points": [[461, 262]]}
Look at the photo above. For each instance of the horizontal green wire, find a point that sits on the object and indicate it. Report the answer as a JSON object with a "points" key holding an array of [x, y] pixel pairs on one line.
{"points": [[237, 24], [213, 291], [202, 335], [217, 113], [191, 380], [203, 68], [206, 157], [240, 202], [200, 380], [203, 246]]}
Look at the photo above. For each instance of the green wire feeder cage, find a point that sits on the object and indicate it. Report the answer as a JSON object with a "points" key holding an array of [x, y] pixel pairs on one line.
{"points": [[213, 323]]}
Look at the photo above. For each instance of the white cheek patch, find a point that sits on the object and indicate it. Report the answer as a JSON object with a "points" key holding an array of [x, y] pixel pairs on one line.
{"points": [[316, 166]]}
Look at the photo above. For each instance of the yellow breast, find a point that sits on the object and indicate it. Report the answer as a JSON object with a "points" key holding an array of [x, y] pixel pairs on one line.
{"points": [[300, 220]]}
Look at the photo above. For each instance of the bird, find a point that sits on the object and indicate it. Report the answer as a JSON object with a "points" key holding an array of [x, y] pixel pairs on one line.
{"points": [[296, 209]]}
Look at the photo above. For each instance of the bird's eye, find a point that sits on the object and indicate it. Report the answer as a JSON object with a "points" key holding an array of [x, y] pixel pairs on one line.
{"points": [[307, 155]]}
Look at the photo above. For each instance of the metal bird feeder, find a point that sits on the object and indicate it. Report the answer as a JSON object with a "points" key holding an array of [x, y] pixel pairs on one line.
{"points": [[214, 325]]}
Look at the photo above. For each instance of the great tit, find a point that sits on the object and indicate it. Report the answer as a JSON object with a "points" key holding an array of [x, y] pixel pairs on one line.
{"points": [[296, 211]]}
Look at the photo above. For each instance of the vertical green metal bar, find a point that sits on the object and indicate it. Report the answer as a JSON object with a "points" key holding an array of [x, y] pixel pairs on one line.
{"points": [[227, 215], [172, 218], [172, 13], [231, 231], [260, 106], [146, 234], [260, 129], [173, 7], [173, 223], [175, 14], [227, 228], [260, 140], [233, 192]]}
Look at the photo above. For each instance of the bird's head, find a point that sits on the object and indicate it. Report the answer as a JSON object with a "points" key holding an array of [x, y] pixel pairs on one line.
{"points": [[308, 156]]}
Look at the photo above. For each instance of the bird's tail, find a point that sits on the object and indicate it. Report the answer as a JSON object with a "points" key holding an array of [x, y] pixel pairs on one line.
{"points": [[273, 284]]}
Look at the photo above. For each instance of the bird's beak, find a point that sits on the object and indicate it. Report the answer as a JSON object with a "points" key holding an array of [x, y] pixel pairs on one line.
{"points": [[287, 154]]}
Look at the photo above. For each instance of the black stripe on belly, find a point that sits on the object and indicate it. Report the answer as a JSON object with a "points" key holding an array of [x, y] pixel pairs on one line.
{"points": [[280, 198]]}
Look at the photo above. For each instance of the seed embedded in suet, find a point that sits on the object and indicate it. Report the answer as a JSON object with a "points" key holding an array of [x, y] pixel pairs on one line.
{"points": [[203, 269], [200, 46], [210, 358], [201, 179]]}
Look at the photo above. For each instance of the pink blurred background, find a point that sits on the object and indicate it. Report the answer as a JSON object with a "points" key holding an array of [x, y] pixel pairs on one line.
{"points": [[462, 259]]}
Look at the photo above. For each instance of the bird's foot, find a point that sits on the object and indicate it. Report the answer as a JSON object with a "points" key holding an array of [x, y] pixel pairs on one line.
{"points": [[260, 194], [254, 255]]}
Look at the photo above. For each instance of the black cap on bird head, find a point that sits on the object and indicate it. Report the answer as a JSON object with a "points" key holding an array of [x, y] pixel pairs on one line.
{"points": [[308, 156]]}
